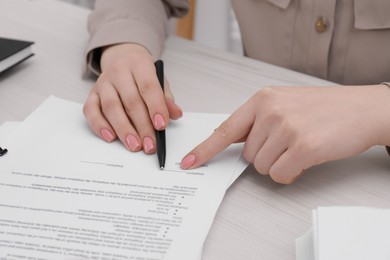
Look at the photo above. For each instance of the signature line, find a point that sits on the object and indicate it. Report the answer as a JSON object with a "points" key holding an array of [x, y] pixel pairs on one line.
{"points": [[106, 164]]}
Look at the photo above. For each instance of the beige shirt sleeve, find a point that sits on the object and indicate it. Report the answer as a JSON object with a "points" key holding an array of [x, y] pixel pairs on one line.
{"points": [[139, 21]]}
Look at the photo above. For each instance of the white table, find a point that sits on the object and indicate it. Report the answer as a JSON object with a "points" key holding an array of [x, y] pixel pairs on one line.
{"points": [[258, 218]]}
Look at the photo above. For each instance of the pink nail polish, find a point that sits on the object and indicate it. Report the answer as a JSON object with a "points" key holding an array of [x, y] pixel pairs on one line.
{"points": [[133, 143], [159, 122], [188, 161], [107, 135], [149, 145]]}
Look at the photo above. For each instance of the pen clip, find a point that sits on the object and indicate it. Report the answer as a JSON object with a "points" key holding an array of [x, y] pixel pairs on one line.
{"points": [[160, 72]]}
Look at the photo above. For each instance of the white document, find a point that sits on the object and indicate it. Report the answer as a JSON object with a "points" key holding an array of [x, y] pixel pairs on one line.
{"points": [[344, 233], [6, 129], [66, 194]]}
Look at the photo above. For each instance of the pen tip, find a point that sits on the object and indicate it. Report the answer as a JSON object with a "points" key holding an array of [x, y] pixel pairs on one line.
{"points": [[161, 167]]}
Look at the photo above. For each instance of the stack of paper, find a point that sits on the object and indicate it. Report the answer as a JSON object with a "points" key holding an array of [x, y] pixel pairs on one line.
{"points": [[343, 233], [66, 194]]}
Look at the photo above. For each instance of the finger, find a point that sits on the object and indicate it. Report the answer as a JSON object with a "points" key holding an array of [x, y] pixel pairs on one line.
{"points": [[242, 139], [113, 111], [152, 94], [255, 140], [268, 154], [288, 167], [299, 156], [95, 119], [137, 112], [232, 129], [175, 111]]}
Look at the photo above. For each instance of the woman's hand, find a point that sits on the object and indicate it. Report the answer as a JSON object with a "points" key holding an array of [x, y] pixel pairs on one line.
{"points": [[127, 100], [289, 129]]}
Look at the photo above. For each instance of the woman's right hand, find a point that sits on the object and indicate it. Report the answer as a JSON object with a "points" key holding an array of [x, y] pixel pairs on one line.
{"points": [[290, 129]]}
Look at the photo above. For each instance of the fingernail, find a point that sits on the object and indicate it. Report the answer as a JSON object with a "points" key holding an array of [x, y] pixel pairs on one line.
{"points": [[159, 122], [133, 143], [180, 112], [107, 135], [149, 145], [188, 161]]}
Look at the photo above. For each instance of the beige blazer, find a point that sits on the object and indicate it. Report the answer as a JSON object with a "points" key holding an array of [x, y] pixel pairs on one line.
{"points": [[139, 21], [345, 41]]}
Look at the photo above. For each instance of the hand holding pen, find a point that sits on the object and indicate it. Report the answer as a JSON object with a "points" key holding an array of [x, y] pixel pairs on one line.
{"points": [[127, 102]]}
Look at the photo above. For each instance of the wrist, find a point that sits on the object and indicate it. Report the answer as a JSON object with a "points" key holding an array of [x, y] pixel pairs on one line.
{"points": [[113, 53], [384, 102]]}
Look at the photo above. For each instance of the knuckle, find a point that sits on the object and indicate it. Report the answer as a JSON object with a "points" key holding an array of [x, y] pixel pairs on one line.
{"points": [[109, 105], [224, 130], [289, 127], [115, 69], [275, 114], [131, 102], [282, 179], [287, 178], [266, 93], [249, 153], [262, 165], [272, 109], [90, 109], [147, 87], [86, 109], [307, 145], [248, 156], [261, 168], [117, 66], [102, 84], [136, 57]]}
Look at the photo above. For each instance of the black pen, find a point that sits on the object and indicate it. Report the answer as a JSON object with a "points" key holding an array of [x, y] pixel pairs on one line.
{"points": [[3, 151], [160, 135]]}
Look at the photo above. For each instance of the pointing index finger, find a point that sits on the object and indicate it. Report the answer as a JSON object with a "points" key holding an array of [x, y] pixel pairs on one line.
{"points": [[230, 131]]}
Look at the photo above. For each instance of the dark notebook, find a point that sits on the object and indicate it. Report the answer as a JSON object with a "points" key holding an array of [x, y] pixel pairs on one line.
{"points": [[13, 52]]}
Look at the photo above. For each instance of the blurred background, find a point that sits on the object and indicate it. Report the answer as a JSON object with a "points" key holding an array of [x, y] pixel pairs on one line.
{"points": [[211, 23]]}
